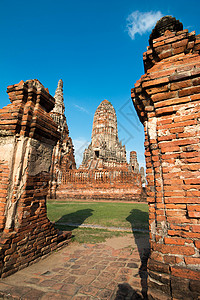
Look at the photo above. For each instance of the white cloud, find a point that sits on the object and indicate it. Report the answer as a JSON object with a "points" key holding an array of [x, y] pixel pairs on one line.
{"points": [[79, 145], [141, 22], [80, 108]]}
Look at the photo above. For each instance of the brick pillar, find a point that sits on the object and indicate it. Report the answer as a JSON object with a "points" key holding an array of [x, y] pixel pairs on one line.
{"points": [[167, 101], [27, 137]]}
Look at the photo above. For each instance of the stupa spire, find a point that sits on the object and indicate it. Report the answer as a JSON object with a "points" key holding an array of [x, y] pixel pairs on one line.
{"points": [[105, 149], [59, 99]]}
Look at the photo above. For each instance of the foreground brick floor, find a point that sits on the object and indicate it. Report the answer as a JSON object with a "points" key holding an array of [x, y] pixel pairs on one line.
{"points": [[111, 270]]}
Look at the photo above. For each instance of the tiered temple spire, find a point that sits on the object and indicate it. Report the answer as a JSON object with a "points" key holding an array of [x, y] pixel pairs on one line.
{"points": [[59, 99], [105, 149], [63, 154]]}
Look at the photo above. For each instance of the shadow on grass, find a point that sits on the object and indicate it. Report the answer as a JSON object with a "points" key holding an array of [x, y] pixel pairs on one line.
{"points": [[73, 220], [138, 219], [142, 242]]}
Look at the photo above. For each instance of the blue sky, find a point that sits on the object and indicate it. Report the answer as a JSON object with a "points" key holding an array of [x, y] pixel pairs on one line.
{"points": [[88, 45]]}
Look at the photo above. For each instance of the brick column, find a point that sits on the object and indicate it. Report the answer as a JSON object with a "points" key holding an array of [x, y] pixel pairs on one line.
{"points": [[167, 101], [27, 137]]}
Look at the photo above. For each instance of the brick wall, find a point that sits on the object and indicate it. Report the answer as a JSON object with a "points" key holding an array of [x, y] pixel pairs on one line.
{"points": [[167, 100], [27, 137], [104, 184]]}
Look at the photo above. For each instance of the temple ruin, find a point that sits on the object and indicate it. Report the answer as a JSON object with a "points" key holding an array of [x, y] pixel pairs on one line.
{"points": [[167, 100], [104, 173], [35, 150], [63, 153], [28, 136], [105, 151]]}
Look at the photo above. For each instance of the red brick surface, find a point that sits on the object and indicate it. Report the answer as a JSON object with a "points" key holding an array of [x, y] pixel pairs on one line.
{"points": [[28, 134], [104, 184], [85, 271], [167, 101]]}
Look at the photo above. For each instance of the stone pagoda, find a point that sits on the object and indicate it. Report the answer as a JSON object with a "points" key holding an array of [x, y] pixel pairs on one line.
{"points": [[63, 154], [105, 150]]}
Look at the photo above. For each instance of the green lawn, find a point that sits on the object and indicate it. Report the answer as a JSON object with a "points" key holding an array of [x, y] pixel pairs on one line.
{"points": [[99, 213], [126, 215]]}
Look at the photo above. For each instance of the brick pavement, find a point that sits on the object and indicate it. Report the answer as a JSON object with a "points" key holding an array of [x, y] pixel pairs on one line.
{"points": [[110, 270]]}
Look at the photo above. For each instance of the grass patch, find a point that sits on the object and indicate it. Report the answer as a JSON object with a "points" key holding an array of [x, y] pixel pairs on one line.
{"points": [[99, 213], [90, 235], [126, 215]]}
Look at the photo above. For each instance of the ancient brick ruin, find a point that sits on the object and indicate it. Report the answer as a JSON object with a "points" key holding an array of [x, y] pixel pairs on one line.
{"points": [[35, 149], [104, 173], [28, 135], [63, 153], [167, 100], [105, 150]]}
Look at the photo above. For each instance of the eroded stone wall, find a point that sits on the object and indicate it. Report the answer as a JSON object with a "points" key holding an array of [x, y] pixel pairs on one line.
{"points": [[27, 137], [167, 100], [111, 185]]}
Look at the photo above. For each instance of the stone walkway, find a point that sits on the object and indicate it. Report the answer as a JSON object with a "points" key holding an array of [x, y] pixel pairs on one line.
{"points": [[110, 270]]}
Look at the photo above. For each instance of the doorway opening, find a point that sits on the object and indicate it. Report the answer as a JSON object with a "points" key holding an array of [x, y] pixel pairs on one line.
{"points": [[96, 154]]}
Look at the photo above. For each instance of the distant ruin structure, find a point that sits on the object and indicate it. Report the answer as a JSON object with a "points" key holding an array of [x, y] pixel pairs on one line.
{"points": [[28, 135], [63, 153], [105, 150], [167, 100], [104, 172]]}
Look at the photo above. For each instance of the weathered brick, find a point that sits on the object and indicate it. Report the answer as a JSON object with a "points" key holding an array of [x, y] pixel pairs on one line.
{"points": [[194, 214], [184, 250], [189, 91], [155, 82], [174, 241], [192, 260], [172, 101], [172, 259], [174, 177], [180, 85], [163, 96], [158, 266], [185, 273], [181, 200], [193, 207], [195, 228], [20, 243]]}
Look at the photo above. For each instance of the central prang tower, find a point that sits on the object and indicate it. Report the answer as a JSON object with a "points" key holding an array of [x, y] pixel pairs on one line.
{"points": [[105, 150]]}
